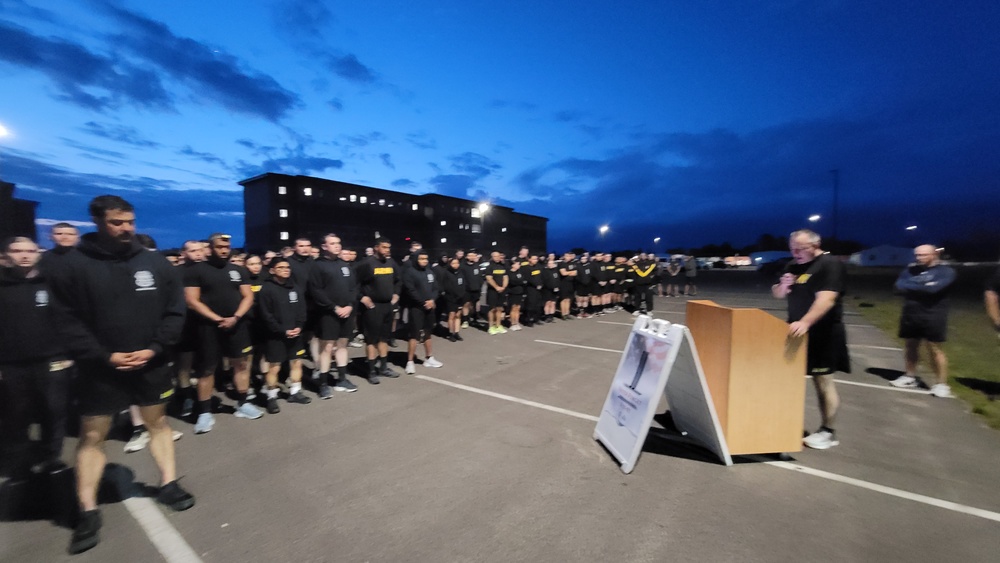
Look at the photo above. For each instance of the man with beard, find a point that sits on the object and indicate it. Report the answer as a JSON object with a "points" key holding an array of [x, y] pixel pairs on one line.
{"points": [[333, 288], [380, 283], [120, 308], [420, 293], [219, 293]]}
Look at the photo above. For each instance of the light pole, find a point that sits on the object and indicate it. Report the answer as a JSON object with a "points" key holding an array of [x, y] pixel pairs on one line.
{"points": [[483, 208]]}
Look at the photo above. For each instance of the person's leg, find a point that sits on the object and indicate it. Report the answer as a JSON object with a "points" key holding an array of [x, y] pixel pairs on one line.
{"points": [[939, 361], [241, 374], [411, 350], [911, 355], [428, 347], [515, 315], [15, 416], [161, 441], [325, 355], [829, 400], [90, 459]]}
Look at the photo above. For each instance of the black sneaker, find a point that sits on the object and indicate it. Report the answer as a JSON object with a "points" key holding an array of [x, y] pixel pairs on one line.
{"points": [[392, 343], [173, 496], [458, 337], [299, 398], [325, 392], [344, 386], [86, 534], [272, 406], [373, 379], [388, 372], [452, 338]]}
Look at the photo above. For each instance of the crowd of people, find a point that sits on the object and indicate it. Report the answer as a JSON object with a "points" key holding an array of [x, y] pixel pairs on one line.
{"points": [[104, 325]]}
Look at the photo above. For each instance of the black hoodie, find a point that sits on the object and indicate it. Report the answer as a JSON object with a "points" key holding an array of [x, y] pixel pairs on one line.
{"points": [[332, 283], [282, 307], [28, 321], [116, 298], [453, 283], [420, 284]]}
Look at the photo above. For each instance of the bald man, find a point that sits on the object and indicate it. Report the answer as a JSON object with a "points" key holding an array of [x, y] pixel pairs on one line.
{"points": [[925, 285]]}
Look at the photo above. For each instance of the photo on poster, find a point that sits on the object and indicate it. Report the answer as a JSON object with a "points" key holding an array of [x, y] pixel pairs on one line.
{"points": [[635, 384]]}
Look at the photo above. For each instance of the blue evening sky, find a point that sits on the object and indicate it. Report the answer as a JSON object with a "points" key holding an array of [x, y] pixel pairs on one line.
{"points": [[697, 122]]}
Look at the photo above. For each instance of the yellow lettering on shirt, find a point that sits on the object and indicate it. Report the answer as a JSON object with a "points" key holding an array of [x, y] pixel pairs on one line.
{"points": [[167, 393], [803, 278], [383, 271], [536, 272], [256, 288], [499, 272]]}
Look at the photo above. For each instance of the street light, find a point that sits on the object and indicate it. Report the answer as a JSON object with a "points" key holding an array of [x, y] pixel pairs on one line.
{"points": [[604, 230], [911, 228], [813, 218], [656, 240]]}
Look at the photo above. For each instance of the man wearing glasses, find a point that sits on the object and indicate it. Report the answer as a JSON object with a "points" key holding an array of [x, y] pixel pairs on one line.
{"points": [[220, 294]]}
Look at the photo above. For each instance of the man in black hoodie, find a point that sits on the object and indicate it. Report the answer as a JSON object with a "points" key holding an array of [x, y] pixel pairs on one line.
{"points": [[119, 308], [380, 284], [420, 293], [35, 366], [333, 287]]}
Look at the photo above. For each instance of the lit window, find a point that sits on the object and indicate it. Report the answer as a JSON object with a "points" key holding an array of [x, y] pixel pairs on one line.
{"points": [[503, 230], [415, 207], [381, 202], [364, 199], [343, 199], [494, 243], [444, 240], [390, 205], [477, 228], [282, 213], [475, 213], [443, 223], [283, 235], [307, 191], [282, 190]]}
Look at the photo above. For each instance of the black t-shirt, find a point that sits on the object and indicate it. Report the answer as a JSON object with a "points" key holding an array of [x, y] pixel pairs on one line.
{"points": [[220, 285], [825, 273], [496, 270]]}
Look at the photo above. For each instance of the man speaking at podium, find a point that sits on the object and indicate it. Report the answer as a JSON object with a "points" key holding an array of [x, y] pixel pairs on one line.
{"points": [[813, 283]]}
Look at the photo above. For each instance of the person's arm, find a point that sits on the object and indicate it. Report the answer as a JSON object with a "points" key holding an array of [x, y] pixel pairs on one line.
{"points": [[246, 304], [192, 296], [781, 289], [506, 282], [993, 307], [172, 318], [316, 289], [493, 284], [267, 309], [397, 284], [825, 300]]}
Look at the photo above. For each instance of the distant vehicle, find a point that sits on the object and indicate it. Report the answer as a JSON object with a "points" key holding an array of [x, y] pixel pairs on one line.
{"points": [[766, 256], [737, 261]]}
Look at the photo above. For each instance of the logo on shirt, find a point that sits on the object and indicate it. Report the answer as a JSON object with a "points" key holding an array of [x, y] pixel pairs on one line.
{"points": [[144, 281], [383, 271], [293, 297], [430, 277], [461, 281], [41, 298], [346, 271], [235, 276], [803, 278]]}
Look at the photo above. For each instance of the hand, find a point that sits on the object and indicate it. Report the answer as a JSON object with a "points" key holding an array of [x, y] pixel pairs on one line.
{"points": [[343, 312], [787, 280], [227, 323], [129, 361], [395, 299], [429, 304], [293, 332], [367, 302], [798, 329]]}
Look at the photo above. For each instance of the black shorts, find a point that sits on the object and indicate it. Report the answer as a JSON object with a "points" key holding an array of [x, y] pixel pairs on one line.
{"points": [[376, 323], [332, 327], [189, 334], [278, 350], [102, 390], [566, 291], [495, 299], [930, 326], [515, 299], [583, 290], [452, 304], [827, 350], [473, 297], [215, 344], [421, 324], [549, 294]]}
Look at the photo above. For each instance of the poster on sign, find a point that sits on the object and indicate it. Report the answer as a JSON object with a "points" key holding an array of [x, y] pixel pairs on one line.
{"points": [[642, 378]]}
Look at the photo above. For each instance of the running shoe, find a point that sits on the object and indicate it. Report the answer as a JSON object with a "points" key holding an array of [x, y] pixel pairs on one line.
{"points": [[941, 390], [905, 381], [173, 496], [298, 398], [187, 407], [325, 392], [458, 337], [177, 435], [373, 379], [465, 324], [501, 329], [248, 411], [821, 440], [344, 385], [515, 328], [272, 406], [388, 372], [431, 362], [87, 532], [205, 423], [138, 441], [411, 368]]}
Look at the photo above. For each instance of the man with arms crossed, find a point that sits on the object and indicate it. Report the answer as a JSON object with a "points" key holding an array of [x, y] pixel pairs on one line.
{"points": [[813, 284], [333, 287], [119, 309]]}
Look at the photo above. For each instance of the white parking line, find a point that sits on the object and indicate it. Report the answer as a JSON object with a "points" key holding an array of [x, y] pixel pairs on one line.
{"points": [[164, 537], [898, 493], [614, 323], [875, 347], [579, 346]]}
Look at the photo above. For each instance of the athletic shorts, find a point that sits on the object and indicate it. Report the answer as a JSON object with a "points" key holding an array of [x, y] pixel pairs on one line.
{"points": [[567, 291], [376, 323], [494, 299], [278, 350], [102, 390], [473, 297], [332, 327], [549, 294], [827, 349], [515, 299], [215, 344], [584, 290], [930, 326], [452, 304], [189, 334], [421, 323]]}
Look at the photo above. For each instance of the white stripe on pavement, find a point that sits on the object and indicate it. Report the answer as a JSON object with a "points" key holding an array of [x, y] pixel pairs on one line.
{"points": [[579, 346], [875, 347], [167, 540], [898, 493]]}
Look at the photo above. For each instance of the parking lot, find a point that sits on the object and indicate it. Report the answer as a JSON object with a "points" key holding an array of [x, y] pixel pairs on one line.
{"points": [[491, 458]]}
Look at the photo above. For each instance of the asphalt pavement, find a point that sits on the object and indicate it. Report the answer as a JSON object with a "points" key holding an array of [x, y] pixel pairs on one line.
{"points": [[491, 458]]}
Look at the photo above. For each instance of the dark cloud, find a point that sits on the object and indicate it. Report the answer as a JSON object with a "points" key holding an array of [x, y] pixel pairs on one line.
{"points": [[83, 78], [336, 104], [387, 160], [474, 164], [455, 185], [350, 68], [567, 116], [289, 161], [210, 72], [403, 183], [90, 150], [119, 133], [365, 139], [512, 104], [421, 140], [203, 156], [301, 18]]}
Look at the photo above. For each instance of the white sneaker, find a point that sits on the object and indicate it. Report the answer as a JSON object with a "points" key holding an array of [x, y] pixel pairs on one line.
{"points": [[205, 423], [432, 363], [465, 324], [177, 435], [137, 442], [906, 381], [248, 411], [820, 440], [941, 390], [411, 368], [516, 328], [635, 313]]}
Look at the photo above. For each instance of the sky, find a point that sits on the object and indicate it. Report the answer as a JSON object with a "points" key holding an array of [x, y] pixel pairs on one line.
{"points": [[692, 122]]}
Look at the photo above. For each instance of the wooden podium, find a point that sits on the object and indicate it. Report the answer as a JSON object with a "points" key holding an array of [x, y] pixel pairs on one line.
{"points": [[755, 373]]}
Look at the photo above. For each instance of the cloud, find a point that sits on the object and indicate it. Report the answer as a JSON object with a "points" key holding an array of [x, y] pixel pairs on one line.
{"points": [[83, 78], [90, 150], [403, 183], [455, 185], [512, 104], [387, 160], [44, 222], [350, 68], [307, 18], [336, 104], [567, 116], [119, 133], [212, 73], [421, 140], [203, 156], [365, 139], [294, 161], [221, 214], [474, 164]]}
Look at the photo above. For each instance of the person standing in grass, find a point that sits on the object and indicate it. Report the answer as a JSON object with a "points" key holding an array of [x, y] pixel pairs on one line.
{"points": [[925, 285]]}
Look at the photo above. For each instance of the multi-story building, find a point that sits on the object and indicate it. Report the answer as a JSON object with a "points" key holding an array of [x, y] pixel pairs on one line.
{"points": [[280, 208], [17, 216]]}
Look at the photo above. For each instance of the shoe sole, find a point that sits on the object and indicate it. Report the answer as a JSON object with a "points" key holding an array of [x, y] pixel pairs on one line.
{"points": [[80, 547], [824, 446], [180, 506], [904, 385], [238, 414], [345, 390]]}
